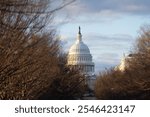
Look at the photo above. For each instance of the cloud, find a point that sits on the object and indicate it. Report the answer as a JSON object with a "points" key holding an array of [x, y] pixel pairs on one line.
{"points": [[103, 43], [114, 37], [120, 6], [100, 11], [104, 10]]}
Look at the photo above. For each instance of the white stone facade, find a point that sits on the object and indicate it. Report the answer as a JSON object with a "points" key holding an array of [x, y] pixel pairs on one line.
{"points": [[124, 64], [79, 57]]}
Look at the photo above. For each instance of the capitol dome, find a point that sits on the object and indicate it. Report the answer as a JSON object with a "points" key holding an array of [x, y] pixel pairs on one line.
{"points": [[79, 56], [79, 48]]}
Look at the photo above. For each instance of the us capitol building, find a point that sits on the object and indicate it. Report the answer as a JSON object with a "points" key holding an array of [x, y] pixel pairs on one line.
{"points": [[79, 57]]}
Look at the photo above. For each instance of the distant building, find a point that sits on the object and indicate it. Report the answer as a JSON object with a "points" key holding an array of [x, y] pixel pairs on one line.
{"points": [[79, 57], [124, 64]]}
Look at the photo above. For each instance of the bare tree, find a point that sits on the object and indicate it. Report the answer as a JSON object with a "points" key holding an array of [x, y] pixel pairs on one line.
{"points": [[134, 82], [141, 60], [28, 57], [29, 69]]}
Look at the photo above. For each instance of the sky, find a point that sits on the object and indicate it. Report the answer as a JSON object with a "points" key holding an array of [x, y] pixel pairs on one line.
{"points": [[109, 27]]}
